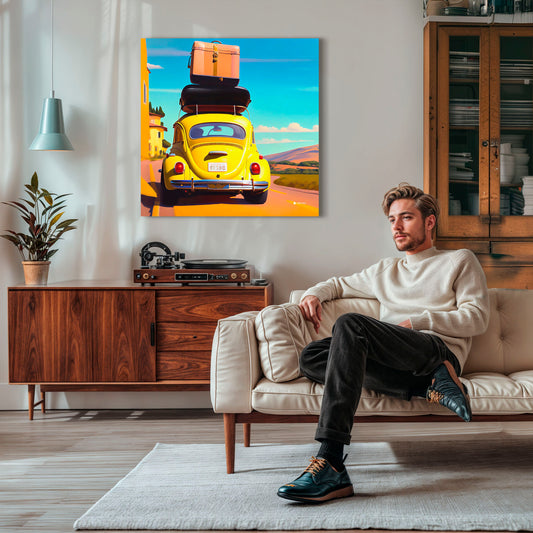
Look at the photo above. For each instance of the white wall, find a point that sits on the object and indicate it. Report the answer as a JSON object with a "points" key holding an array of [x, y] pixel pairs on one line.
{"points": [[370, 140]]}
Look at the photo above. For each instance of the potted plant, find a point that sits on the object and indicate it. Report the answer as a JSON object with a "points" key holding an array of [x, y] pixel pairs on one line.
{"points": [[42, 211]]}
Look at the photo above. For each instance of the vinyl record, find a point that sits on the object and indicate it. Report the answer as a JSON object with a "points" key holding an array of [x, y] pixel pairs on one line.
{"points": [[213, 263]]}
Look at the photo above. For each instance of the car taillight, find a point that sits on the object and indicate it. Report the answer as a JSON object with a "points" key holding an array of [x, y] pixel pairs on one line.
{"points": [[179, 168], [255, 169]]}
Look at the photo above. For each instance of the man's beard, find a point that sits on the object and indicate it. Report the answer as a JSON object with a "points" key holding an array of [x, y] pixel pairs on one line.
{"points": [[410, 243]]}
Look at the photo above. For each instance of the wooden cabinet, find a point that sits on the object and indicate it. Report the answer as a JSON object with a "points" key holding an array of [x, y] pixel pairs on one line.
{"points": [[478, 143], [83, 336]]}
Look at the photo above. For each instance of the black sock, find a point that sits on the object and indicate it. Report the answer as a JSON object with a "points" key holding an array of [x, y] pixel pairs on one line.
{"points": [[332, 450]]}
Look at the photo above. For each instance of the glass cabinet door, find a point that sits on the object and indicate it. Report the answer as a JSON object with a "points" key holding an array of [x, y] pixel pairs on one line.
{"points": [[463, 134], [511, 180]]}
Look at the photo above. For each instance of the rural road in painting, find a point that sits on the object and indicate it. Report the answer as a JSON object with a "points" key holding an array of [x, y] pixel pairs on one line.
{"points": [[282, 201]]}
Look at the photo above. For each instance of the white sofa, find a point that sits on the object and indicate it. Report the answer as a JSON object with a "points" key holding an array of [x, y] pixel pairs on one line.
{"points": [[255, 373]]}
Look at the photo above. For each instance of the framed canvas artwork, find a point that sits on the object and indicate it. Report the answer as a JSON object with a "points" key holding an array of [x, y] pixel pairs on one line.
{"points": [[230, 127]]}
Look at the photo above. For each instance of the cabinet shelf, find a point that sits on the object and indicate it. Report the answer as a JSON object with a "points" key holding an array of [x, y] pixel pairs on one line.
{"points": [[466, 81], [464, 128], [516, 81], [464, 182]]}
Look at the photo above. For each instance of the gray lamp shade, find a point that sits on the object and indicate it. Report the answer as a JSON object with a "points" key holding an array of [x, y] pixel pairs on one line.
{"points": [[51, 134]]}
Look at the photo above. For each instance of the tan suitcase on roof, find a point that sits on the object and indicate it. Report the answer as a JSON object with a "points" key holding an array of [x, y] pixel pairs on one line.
{"points": [[214, 64]]}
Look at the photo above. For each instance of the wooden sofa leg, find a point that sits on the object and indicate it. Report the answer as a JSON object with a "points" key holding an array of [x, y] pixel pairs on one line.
{"points": [[246, 427], [229, 437]]}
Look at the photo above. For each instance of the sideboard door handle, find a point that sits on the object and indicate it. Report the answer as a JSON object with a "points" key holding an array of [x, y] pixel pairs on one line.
{"points": [[152, 333]]}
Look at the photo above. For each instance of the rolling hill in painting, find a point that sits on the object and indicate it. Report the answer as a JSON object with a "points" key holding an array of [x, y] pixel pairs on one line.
{"points": [[306, 153]]}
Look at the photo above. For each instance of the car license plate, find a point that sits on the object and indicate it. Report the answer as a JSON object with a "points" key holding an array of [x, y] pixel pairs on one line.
{"points": [[217, 185], [217, 167]]}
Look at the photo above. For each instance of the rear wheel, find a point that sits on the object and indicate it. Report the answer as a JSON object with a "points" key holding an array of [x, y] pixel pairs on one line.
{"points": [[166, 196], [256, 197]]}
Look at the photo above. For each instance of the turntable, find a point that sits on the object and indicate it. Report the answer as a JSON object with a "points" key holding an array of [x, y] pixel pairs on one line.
{"points": [[168, 267]]}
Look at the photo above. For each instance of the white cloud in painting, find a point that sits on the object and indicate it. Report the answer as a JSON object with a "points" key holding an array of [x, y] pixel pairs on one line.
{"points": [[154, 67], [293, 127]]}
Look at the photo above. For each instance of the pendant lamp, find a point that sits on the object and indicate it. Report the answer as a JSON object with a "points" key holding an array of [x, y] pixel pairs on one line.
{"points": [[51, 134]]}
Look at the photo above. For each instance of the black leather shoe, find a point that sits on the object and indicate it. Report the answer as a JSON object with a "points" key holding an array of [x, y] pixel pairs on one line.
{"points": [[447, 389], [318, 483]]}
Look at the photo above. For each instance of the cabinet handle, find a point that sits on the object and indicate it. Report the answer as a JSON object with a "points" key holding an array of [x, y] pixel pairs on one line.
{"points": [[152, 334]]}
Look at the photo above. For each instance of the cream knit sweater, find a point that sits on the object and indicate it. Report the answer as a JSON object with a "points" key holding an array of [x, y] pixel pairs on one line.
{"points": [[440, 292]]}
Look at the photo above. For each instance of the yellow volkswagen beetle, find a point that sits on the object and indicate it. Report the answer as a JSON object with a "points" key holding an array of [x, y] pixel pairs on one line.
{"points": [[214, 153]]}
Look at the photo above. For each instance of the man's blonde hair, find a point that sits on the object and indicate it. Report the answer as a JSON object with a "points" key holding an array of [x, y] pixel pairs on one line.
{"points": [[425, 203]]}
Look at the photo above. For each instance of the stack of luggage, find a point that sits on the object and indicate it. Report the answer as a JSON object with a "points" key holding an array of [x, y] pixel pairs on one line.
{"points": [[215, 77]]}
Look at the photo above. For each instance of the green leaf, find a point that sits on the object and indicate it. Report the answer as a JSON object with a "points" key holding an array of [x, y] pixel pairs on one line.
{"points": [[35, 181], [67, 223], [30, 192], [31, 204], [63, 195]]}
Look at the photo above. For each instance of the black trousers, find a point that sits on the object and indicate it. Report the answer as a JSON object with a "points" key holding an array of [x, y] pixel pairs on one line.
{"points": [[364, 351]]}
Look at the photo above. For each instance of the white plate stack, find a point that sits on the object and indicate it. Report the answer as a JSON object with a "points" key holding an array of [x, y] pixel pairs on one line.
{"points": [[507, 168], [513, 156], [527, 192], [521, 160]]}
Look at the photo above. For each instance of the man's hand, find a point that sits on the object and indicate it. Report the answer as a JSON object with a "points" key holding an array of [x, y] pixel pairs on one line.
{"points": [[406, 324], [312, 310]]}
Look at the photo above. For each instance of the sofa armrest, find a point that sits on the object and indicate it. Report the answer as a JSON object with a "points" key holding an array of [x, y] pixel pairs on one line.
{"points": [[296, 295], [235, 364]]}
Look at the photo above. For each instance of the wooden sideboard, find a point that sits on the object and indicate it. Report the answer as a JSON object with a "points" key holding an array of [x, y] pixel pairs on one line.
{"points": [[95, 336]]}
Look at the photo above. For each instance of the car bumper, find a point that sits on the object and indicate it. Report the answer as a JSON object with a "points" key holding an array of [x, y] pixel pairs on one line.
{"points": [[219, 185]]}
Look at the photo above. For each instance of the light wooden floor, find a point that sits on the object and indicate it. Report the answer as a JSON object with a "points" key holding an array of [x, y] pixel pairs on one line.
{"points": [[54, 468]]}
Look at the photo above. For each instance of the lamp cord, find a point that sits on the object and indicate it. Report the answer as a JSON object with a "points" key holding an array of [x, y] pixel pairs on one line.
{"points": [[52, 43]]}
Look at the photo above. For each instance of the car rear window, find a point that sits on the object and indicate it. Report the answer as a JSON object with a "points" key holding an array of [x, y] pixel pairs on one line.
{"points": [[217, 129]]}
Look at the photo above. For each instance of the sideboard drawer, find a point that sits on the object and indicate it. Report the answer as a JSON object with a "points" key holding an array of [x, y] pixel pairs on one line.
{"points": [[197, 305], [177, 336], [183, 365]]}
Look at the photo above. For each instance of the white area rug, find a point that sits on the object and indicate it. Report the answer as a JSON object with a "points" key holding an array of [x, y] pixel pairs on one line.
{"points": [[435, 485]]}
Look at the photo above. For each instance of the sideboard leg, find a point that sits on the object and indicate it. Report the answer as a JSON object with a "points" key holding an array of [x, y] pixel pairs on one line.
{"points": [[229, 437], [31, 400], [246, 427]]}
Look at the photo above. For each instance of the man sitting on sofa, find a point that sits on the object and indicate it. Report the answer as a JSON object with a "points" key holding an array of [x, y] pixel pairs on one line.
{"points": [[431, 303]]}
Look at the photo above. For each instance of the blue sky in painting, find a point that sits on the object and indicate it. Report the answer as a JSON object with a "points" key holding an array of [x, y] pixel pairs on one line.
{"points": [[282, 76]]}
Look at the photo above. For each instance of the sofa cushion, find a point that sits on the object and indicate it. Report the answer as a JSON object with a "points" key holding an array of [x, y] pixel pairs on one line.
{"points": [[490, 393], [507, 345], [282, 335]]}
